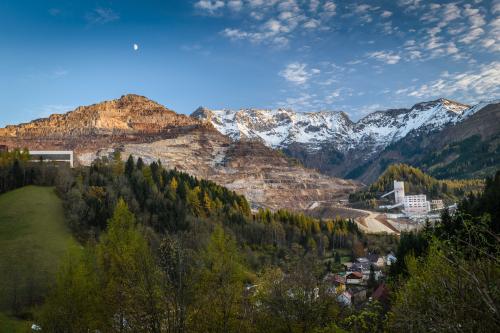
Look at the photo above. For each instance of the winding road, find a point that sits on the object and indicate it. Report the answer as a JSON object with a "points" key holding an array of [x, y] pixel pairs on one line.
{"points": [[374, 223]]}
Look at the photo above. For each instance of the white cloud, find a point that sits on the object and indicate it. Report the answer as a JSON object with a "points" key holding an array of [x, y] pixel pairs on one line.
{"points": [[329, 9], [210, 6], [472, 35], [336, 95], [296, 73], [451, 48], [388, 57], [409, 4], [451, 12], [491, 41], [475, 18], [354, 62], [314, 5], [480, 84], [329, 6], [362, 8], [386, 14], [367, 109], [234, 33], [312, 24], [303, 101], [235, 5], [101, 16], [495, 7], [488, 42], [60, 72]]}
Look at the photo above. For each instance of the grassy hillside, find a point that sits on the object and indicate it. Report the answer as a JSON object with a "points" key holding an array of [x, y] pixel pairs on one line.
{"points": [[33, 238], [13, 325]]}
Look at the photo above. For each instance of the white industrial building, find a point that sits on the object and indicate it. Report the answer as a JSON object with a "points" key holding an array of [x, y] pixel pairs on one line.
{"points": [[412, 205], [416, 204], [52, 156]]}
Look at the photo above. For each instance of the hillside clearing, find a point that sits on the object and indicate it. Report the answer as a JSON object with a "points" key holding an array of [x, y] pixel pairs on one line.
{"points": [[33, 238]]}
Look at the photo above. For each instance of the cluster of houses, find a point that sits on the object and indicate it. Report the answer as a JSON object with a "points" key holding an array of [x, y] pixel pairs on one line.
{"points": [[352, 285]]}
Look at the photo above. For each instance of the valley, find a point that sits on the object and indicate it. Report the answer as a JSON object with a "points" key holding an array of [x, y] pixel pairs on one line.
{"points": [[276, 158]]}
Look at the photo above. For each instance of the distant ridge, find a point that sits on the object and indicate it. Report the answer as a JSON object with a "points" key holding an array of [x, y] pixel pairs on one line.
{"points": [[333, 144]]}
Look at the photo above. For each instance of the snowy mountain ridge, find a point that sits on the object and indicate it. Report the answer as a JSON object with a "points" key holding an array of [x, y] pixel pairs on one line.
{"points": [[283, 127]]}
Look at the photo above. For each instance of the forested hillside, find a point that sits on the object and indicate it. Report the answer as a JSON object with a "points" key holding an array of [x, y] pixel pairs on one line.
{"points": [[162, 251], [168, 201], [148, 231], [417, 182], [449, 271]]}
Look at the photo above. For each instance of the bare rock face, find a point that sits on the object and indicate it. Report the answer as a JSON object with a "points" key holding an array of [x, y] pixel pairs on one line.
{"points": [[264, 176], [127, 115], [131, 118], [140, 127]]}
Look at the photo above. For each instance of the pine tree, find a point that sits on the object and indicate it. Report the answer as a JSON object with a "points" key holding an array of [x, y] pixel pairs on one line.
{"points": [[131, 279], [118, 166], [129, 166], [220, 287]]}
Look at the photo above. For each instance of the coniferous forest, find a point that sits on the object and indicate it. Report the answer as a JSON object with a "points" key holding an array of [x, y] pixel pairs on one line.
{"points": [[162, 251]]}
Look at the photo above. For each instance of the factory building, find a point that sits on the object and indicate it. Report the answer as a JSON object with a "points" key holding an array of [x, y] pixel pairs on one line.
{"points": [[399, 192], [416, 204], [412, 205], [437, 204]]}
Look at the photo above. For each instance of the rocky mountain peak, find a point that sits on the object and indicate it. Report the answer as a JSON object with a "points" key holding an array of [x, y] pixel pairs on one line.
{"points": [[282, 128], [202, 113], [127, 115], [447, 104]]}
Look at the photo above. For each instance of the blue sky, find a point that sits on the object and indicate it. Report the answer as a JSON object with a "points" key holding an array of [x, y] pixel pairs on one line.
{"points": [[309, 55]]}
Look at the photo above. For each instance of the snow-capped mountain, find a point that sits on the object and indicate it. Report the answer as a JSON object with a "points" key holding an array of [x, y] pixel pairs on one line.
{"points": [[280, 128], [335, 145]]}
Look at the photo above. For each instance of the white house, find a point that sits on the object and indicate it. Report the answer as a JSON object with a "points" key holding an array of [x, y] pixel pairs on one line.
{"points": [[52, 156]]}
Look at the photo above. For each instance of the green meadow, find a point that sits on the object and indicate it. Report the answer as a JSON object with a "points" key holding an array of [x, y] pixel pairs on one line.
{"points": [[33, 239]]}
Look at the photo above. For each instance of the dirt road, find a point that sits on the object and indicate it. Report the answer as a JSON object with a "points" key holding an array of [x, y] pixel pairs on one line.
{"points": [[373, 222]]}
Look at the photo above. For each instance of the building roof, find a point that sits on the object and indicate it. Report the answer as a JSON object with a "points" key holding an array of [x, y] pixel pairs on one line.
{"points": [[362, 260], [381, 293], [355, 275], [359, 267], [373, 257]]}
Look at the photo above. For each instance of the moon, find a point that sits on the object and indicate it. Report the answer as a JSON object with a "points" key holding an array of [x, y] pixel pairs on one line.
{"points": [[136, 47]]}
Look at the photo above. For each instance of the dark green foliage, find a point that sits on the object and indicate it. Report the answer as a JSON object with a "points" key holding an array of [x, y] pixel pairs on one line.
{"points": [[472, 157], [410, 243], [162, 199], [16, 171], [486, 202], [358, 171], [169, 201], [451, 270], [297, 300]]}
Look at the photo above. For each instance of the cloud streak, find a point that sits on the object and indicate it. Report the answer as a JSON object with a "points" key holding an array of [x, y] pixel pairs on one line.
{"points": [[101, 15]]}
